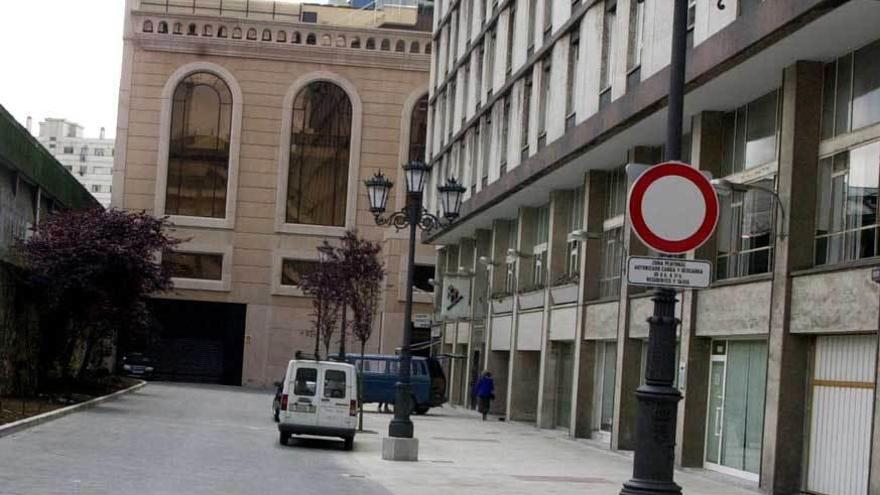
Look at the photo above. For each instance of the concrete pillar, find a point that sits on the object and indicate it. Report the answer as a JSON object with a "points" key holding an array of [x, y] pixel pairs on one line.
{"points": [[782, 459], [498, 362], [695, 352], [522, 370], [560, 221], [583, 383], [482, 246], [467, 261], [629, 350]]}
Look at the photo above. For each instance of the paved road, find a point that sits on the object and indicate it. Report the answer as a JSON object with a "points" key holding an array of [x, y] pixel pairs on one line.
{"points": [[175, 439]]}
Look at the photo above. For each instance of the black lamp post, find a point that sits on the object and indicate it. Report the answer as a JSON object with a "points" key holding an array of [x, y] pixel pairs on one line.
{"points": [[414, 216]]}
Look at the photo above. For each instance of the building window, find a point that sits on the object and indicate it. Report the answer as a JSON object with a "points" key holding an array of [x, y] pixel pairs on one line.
{"points": [[423, 275], [101, 170], [400, 46], [99, 151], [487, 142], [418, 130], [691, 22], [505, 128], [572, 267], [202, 266], [606, 71], [543, 101], [320, 144], [548, 18], [539, 250], [511, 18], [612, 236], [636, 34], [198, 158], [178, 28], [510, 262], [207, 30], [846, 209], [606, 373], [293, 271], [68, 150], [310, 17], [252, 34], [221, 32], [163, 27], [745, 233], [475, 147], [851, 98], [236, 33], [385, 45], [148, 26], [413, 47], [571, 76], [490, 62], [478, 76], [465, 82], [281, 37], [749, 134], [524, 117]]}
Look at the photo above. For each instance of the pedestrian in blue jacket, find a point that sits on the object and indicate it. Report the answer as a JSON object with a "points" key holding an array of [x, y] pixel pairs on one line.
{"points": [[485, 392]]}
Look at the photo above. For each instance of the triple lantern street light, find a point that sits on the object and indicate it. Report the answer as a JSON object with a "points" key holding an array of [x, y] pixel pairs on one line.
{"points": [[413, 216]]}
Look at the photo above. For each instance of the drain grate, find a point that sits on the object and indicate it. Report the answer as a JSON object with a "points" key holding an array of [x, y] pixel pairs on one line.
{"points": [[563, 479]]}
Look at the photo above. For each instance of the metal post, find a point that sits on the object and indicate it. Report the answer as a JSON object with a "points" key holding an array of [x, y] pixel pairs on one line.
{"points": [[401, 426], [654, 459]]}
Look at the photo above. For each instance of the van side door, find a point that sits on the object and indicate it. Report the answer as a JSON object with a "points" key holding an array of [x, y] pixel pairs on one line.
{"points": [[336, 396]]}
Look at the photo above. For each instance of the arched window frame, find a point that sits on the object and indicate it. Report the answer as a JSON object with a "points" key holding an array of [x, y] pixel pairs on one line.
{"points": [[403, 152], [228, 222], [148, 26], [351, 206]]}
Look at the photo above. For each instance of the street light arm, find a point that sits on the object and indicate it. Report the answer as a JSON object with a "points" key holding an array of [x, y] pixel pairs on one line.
{"points": [[401, 220]]}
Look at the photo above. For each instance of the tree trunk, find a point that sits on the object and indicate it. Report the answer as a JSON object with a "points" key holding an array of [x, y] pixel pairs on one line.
{"points": [[361, 389], [321, 310], [342, 335]]}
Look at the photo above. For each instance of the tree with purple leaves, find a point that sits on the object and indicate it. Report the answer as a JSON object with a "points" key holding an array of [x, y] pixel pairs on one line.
{"points": [[324, 285], [96, 269]]}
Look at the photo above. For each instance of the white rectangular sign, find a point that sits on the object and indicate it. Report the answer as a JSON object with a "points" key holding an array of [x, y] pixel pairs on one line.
{"points": [[668, 272], [422, 320]]}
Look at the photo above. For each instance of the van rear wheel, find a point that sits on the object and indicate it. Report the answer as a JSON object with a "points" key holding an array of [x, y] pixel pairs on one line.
{"points": [[422, 410], [283, 438]]}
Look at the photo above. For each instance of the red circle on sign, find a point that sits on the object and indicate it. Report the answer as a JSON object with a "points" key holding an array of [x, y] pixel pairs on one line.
{"points": [[640, 226]]}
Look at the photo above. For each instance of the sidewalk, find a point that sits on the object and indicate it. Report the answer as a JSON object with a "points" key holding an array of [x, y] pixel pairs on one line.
{"points": [[460, 454]]}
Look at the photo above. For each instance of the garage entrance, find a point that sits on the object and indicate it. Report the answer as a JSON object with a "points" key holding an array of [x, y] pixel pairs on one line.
{"points": [[198, 341]]}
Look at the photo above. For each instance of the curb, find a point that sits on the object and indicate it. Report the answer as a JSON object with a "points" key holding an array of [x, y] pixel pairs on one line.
{"points": [[39, 419]]}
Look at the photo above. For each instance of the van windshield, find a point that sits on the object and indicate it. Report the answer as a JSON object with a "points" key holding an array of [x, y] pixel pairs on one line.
{"points": [[334, 384], [305, 381]]}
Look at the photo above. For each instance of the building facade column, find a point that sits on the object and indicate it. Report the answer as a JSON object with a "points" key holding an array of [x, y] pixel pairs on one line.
{"points": [[782, 457]]}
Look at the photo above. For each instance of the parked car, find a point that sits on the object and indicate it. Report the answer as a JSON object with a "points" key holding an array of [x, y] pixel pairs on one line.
{"points": [[378, 374], [138, 365], [318, 398]]}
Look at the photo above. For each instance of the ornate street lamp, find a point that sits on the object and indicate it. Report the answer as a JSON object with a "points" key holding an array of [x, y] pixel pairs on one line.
{"points": [[413, 216]]}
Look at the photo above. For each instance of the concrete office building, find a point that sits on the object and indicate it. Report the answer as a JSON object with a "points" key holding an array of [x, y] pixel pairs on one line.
{"points": [[538, 105], [252, 125], [90, 160]]}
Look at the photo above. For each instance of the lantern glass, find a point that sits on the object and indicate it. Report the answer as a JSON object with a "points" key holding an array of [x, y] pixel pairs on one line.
{"points": [[450, 197], [416, 173], [377, 192]]}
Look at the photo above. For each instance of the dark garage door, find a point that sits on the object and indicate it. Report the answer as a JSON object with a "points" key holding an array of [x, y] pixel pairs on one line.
{"points": [[198, 341]]}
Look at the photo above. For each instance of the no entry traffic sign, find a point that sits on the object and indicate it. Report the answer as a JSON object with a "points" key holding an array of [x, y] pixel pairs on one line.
{"points": [[673, 208]]}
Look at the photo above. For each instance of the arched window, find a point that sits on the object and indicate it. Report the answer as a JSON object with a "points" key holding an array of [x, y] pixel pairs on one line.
{"points": [[236, 34], [178, 28], [296, 38], [191, 30], [148, 26], [326, 40], [207, 30], [371, 44], [340, 41], [400, 46], [163, 27], [320, 144], [281, 37], [386, 45], [414, 47], [251, 34], [267, 35], [310, 39], [198, 152], [427, 48], [418, 130], [355, 42], [221, 32]]}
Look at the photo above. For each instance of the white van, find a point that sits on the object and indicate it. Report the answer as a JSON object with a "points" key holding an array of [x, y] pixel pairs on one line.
{"points": [[319, 398]]}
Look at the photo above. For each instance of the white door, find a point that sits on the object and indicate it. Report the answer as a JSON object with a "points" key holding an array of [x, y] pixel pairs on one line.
{"points": [[302, 396], [335, 397], [840, 426]]}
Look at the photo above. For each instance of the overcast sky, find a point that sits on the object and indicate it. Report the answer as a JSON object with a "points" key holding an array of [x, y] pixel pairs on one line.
{"points": [[61, 58]]}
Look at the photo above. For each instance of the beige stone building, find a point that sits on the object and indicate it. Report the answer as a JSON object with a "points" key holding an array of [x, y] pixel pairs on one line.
{"points": [[252, 125]]}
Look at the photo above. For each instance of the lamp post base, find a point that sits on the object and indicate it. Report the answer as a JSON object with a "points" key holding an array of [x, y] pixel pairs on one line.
{"points": [[648, 487], [400, 449], [400, 428]]}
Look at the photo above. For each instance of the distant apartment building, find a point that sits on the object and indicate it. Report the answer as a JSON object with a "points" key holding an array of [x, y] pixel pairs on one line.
{"points": [[252, 125], [90, 160], [539, 105]]}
